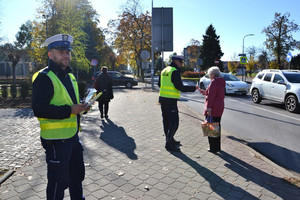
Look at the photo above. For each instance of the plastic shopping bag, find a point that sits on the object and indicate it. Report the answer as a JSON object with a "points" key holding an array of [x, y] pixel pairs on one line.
{"points": [[210, 128]]}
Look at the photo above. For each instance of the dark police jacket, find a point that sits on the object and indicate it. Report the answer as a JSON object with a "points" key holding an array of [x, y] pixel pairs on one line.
{"points": [[176, 80], [42, 92]]}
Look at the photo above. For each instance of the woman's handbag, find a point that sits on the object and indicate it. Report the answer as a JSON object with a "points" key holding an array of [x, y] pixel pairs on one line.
{"points": [[210, 128]]}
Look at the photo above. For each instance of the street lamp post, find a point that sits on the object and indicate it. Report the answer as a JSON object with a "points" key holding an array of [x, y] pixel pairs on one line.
{"points": [[244, 39], [243, 50]]}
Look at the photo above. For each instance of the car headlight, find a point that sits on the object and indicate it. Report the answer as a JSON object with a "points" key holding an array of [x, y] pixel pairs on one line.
{"points": [[229, 84]]}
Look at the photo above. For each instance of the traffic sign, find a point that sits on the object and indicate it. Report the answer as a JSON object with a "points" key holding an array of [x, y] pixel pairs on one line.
{"points": [[94, 62], [242, 54], [243, 60], [145, 55], [217, 61], [289, 57]]}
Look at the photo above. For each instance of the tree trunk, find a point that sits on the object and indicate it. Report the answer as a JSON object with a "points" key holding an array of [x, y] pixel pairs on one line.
{"points": [[14, 73], [15, 60]]}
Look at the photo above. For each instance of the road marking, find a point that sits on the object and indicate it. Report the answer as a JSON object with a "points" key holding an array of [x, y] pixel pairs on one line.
{"points": [[266, 110]]}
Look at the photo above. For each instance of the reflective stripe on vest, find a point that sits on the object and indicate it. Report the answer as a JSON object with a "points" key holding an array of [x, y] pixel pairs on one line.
{"points": [[59, 128], [167, 88]]}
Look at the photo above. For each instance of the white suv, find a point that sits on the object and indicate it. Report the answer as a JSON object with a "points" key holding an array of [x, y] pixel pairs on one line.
{"points": [[278, 85]]}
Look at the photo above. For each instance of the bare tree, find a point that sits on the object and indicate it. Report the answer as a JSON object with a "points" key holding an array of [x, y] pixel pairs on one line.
{"points": [[279, 36]]}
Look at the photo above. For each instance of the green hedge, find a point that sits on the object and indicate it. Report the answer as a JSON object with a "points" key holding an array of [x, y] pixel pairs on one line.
{"points": [[24, 89], [4, 92]]}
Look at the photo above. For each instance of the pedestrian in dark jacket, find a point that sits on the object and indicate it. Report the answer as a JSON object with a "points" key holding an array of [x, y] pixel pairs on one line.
{"points": [[214, 104], [170, 84], [103, 84]]}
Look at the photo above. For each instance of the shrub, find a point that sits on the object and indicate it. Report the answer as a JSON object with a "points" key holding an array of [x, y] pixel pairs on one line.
{"points": [[190, 74], [13, 91], [4, 91], [82, 89], [24, 89]]}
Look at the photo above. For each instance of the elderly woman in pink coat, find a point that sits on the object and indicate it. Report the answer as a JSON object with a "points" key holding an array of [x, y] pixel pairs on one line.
{"points": [[214, 104]]}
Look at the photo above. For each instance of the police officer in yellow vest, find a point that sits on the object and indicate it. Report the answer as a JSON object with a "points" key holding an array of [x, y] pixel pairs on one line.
{"points": [[55, 102], [170, 84]]}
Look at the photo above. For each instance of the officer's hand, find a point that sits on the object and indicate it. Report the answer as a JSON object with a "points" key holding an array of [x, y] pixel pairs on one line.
{"points": [[86, 108], [77, 108]]}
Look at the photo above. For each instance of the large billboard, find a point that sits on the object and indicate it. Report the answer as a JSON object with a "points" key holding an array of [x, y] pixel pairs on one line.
{"points": [[162, 22]]}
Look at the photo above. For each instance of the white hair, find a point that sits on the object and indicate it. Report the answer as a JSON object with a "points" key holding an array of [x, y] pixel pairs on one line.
{"points": [[214, 70]]}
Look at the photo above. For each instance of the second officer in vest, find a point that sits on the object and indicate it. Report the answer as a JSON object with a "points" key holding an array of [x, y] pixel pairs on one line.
{"points": [[55, 102], [170, 84]]}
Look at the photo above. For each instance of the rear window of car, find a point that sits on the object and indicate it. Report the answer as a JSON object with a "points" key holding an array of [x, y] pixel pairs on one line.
{"points": [[293, 78], [260, 75], [268, 77], [229, 77]]}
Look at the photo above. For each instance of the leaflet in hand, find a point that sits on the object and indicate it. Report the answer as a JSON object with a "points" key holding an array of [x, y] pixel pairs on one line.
{"points": [[91, 97]]}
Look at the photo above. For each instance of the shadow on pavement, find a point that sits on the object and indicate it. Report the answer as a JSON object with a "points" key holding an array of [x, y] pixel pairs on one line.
{"points": [[191, 115], [255, 175], [287, 158], [117, 138], [23, 113], [284, 157], [217, 184]]}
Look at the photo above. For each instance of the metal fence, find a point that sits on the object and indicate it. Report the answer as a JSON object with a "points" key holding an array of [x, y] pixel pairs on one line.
{"points": [[22, 69]]}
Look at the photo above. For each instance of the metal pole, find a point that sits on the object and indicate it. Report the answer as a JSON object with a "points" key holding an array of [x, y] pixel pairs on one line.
{"points": [[162, 37], [152, 52], [243, 51]]}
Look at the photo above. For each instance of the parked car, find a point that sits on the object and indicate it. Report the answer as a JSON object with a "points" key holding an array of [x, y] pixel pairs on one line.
{"points": [[233, 84], [118, 79], [282, 86]]}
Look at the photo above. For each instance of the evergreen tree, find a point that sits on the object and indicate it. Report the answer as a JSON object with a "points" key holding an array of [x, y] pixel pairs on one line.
{"points": [[210, 49]]}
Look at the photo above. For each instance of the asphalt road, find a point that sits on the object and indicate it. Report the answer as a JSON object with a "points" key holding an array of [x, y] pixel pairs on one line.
{"points": [[266, 127]]}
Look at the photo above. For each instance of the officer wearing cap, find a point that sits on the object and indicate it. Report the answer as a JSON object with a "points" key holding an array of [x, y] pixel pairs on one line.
{"points": [[55, 102], [170, 84]]}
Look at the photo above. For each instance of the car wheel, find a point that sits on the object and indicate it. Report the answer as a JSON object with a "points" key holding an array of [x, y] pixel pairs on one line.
{"points": [[255, 96], [202, 86], [128, 85], [291, 104]]}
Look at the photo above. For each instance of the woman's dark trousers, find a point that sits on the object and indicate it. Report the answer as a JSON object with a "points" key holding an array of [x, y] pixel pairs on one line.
{"points": [[215, 142]]}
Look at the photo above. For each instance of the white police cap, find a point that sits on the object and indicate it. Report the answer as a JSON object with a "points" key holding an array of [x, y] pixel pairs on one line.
{"points": [[177, 57], [60, 41]]}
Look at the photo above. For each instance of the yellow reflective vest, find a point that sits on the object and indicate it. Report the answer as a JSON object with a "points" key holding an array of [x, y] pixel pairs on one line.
{"points": [[59, 128], [167, 88]]}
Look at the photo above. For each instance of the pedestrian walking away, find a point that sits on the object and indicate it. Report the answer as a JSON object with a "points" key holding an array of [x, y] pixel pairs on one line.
{"points": [[214, 104], [103, 84], [171, 85], [55, 102]]}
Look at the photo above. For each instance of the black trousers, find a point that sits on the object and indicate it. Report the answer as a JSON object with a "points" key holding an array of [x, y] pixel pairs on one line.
{"points": [[170, 120], [104, 104], [65, 168], [215, 142]]}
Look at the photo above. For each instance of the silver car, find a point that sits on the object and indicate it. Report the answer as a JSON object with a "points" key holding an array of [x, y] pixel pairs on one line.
{"points": [[233, 84], [277, 85]]}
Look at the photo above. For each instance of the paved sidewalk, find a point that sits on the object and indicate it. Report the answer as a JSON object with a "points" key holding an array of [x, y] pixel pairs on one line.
{"points": [[125, 157]]}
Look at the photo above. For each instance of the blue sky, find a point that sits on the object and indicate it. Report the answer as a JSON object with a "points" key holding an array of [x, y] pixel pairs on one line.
{"points": [[232, 19]]}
